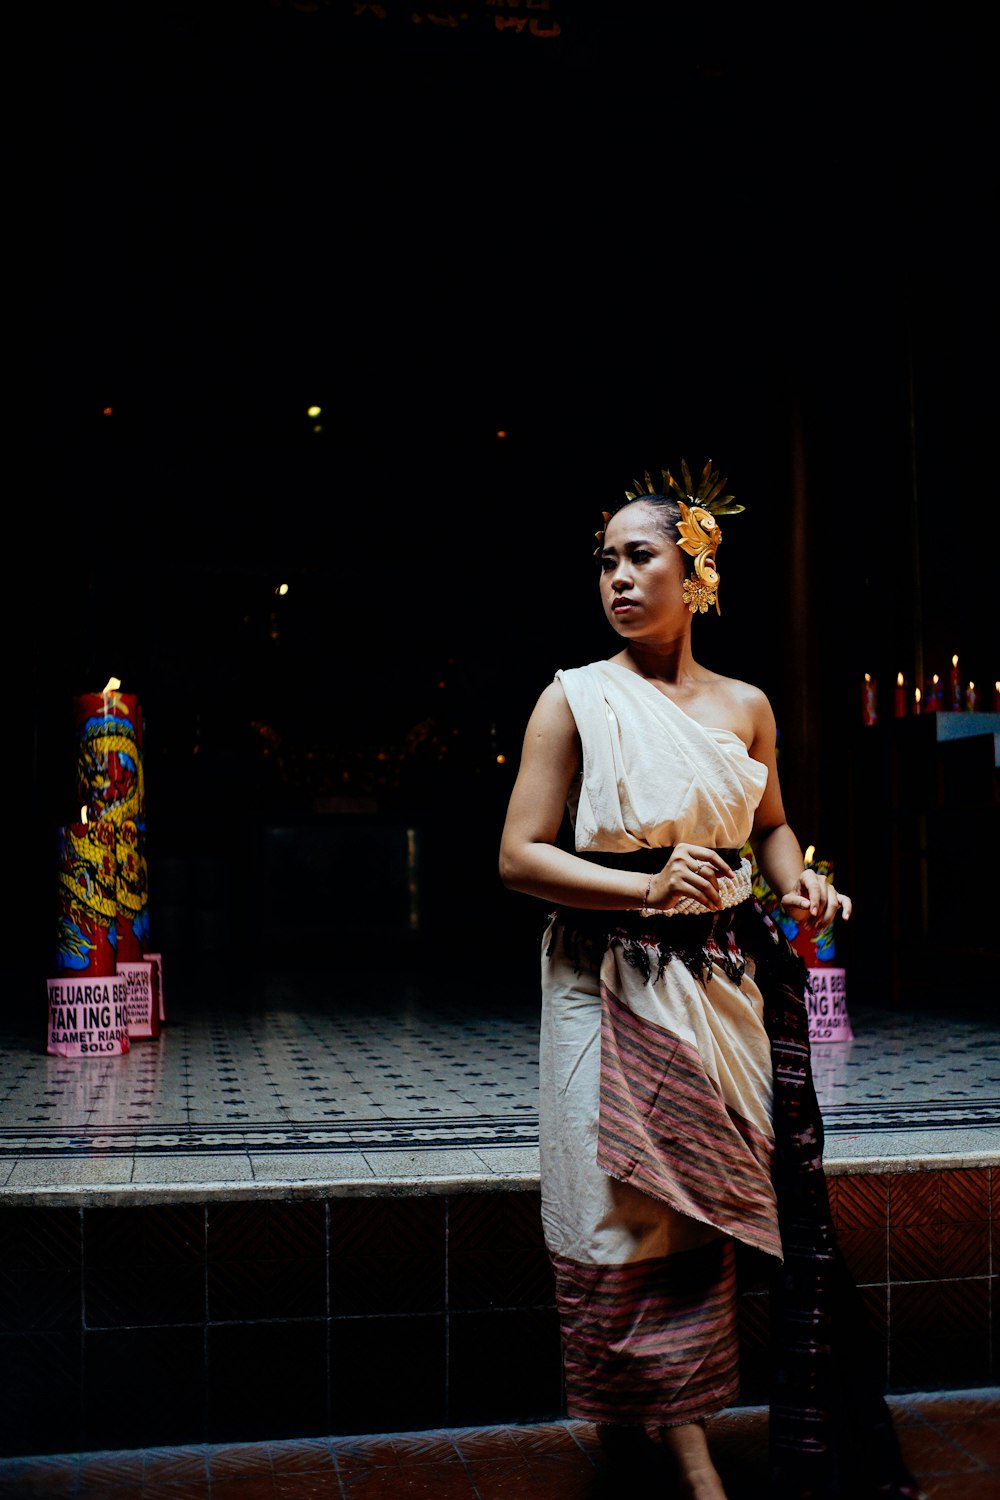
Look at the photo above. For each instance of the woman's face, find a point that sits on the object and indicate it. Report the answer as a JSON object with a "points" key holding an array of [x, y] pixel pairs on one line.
{"points": [[642, 572]]}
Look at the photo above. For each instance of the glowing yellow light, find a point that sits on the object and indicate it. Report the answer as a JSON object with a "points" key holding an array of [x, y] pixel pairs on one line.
{"points": [[313, 411], [282, 588], [954, 660], [113, 684], [501, 760], [810, 854], [899, 679], [916, 695]]}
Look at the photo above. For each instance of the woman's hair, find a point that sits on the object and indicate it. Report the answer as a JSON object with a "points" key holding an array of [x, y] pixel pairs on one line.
{"points": [[669, 510]]}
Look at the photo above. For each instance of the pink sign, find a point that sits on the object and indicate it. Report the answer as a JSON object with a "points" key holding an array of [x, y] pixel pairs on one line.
{"points": [[142, 1003], [156, 959], [87, 1017], [826, 998]]}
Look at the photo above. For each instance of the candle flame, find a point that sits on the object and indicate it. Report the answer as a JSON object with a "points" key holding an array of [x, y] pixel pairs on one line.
{"points": [[114, 683], [83, 815], [935, 679], [810, 854], [868, 677], [899, 679], [954, 660], [916, 695]]}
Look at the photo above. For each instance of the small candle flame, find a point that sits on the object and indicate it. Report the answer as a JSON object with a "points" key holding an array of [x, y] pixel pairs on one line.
{"points": [[899, 679], [954, 660], [916, 695], [83, 815], [114, 683], [810, 854]]}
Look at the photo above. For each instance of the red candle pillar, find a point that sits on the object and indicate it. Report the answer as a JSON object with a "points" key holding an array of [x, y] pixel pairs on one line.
{"points": [[87, 937], [900, 696]]}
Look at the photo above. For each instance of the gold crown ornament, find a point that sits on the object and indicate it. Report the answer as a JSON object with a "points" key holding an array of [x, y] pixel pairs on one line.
{"points": [[699, 532]]}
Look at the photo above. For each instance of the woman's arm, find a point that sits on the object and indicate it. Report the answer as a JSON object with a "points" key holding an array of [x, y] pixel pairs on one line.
{"points": [[806, 896], [530, 860]]}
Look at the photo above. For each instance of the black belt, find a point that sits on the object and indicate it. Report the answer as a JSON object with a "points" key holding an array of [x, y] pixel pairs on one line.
{"points": [[650, 861]]}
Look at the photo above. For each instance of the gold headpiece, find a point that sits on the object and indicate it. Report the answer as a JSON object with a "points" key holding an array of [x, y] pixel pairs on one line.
{"points": [[699, 533]]}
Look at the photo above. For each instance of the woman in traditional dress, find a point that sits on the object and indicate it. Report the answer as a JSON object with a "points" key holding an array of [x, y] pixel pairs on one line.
{"points": [[678, 1115]]}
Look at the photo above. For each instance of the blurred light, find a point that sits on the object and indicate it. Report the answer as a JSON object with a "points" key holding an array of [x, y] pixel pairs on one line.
{"points": [[113, 684], [501, 432], [106, 411], [282, 588], [313, 411], [501, 760], [810, 854], [317, 427]]}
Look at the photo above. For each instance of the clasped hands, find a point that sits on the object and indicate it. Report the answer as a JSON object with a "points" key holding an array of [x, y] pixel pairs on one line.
{"points": [[694, 871]]}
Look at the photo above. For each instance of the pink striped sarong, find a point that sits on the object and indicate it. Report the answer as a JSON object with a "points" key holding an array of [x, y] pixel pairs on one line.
{"points": [[656, 1154], [678, 1121]]}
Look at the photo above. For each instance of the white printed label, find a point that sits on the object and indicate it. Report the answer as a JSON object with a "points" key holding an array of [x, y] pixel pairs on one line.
{"points": [[87, 1017], [827, 1002]]}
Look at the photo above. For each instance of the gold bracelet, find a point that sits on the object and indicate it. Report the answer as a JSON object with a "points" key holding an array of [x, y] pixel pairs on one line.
{"points": [[645, 910]]}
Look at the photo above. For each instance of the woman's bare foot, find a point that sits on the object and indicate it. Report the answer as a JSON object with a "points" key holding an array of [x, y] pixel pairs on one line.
{"points": [[697, 1476]]}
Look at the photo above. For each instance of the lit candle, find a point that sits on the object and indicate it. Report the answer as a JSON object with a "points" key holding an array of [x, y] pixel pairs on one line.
{"points": [[996, 697], [932, 698], [916, 700], [900, 696], [956, 686], [869, 706], [971, 698]]}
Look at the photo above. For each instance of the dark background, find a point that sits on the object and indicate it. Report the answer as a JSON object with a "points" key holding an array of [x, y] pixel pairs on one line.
{"points": [[620, 235]]}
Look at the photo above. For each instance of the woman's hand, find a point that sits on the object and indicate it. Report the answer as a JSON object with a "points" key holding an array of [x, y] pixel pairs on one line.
{"points": [[814, 902], [691, 871]]}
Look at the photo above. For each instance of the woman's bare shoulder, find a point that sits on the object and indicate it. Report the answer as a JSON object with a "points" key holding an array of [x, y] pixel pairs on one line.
{"points": [[740, 706], [746, 693], [551, 710]]}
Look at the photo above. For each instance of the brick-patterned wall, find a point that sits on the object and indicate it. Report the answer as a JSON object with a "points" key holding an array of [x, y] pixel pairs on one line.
{"points": [[127, 1327]]}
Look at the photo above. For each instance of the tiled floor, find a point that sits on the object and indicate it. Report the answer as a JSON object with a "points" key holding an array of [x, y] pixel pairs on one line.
{"points": [[362, 1083], [950, 1440]]}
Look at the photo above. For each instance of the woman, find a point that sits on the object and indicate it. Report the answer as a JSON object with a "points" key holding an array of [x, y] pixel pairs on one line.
{"points": [[678, 1116]]}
